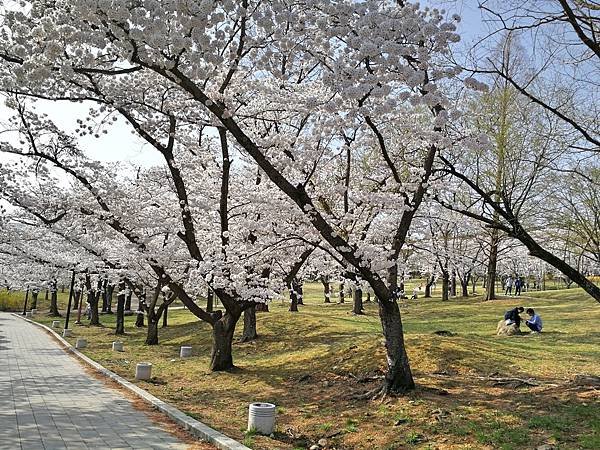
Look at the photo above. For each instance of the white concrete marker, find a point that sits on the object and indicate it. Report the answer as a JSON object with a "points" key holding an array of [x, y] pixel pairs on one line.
{"points": [[56, 324], [67, 332], [185, 351], [80, 343], [143, 371], [117, 346], [261, 417]]}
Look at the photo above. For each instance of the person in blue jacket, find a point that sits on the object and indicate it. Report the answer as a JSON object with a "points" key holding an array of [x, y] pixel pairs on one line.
{"points": [[534, 322]]}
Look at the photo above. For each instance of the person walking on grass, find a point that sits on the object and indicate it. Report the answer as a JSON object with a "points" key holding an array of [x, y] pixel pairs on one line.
{"points": [[512, 316], [534, 322]]}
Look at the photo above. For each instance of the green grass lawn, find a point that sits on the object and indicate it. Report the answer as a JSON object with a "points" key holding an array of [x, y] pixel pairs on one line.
{"points": [[309, 364]]}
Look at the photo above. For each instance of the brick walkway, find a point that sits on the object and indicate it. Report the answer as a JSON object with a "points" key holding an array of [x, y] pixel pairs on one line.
{"points": [[48, 401]]}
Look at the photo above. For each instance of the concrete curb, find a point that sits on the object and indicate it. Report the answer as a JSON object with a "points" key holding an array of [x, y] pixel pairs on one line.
{"points": [[194, 427]]}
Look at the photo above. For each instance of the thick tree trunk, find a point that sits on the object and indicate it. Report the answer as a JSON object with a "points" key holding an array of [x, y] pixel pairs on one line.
{"points": [[398, 378], [76, 299], [221, 355], [54, 304], [152, 334], [445, 285], [210, 300], [428, 286], [341, 294], [490, 292], [34, 297], [46, 296], [357, 301], [464, 285], [249, 333], [93, 300], [453, 284]]}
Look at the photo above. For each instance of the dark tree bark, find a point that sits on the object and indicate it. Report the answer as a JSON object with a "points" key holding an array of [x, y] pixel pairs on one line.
{"points": [[341, 294], [326, 289], [445, 285], [34, 298], [210, 299], [357, 301], [109, 298], [139, 320], [398, 378], [104, 296], [76, 298], [453, 284], [152, 334], [46, 296], [368, 299], [221, 357], [165, 320], [249, 333], [464, 284], [121, 298], [54, 299], [292, 287], [490, 292], [428, 286]]}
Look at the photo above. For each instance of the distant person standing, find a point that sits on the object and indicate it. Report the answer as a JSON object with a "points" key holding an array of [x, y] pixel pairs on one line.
{"points": [[534, 322], [518, 285], [508, 285]]}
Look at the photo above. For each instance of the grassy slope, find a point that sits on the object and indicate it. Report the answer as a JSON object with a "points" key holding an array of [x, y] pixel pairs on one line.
{"points": [[306, 363]]}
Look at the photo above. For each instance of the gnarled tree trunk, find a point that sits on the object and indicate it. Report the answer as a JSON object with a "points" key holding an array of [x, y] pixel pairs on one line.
{"points": [[249, 333], [34, 298], [221, 356], [326, 290], [398, 378], [445, 285]]}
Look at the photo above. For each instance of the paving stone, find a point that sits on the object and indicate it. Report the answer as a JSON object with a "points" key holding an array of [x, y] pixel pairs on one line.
{"points": [[49, 401]]}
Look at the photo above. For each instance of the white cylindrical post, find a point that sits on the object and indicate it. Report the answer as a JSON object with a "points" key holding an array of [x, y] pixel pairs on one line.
{"points": [[67, 332], [56, 324], [80, 343], [143, 371], [117, 346], [185, 351], [261, 418]]}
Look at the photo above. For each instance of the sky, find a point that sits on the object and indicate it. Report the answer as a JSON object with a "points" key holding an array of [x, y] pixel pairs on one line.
{"points": [[121, 145]]}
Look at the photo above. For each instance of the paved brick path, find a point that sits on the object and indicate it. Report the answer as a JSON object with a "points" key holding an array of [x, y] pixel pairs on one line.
{"points": [[48, 401]]}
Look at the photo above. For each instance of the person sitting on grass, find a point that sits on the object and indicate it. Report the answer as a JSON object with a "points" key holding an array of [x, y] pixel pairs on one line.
{"points": [[534, 322], [512, 316]]}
